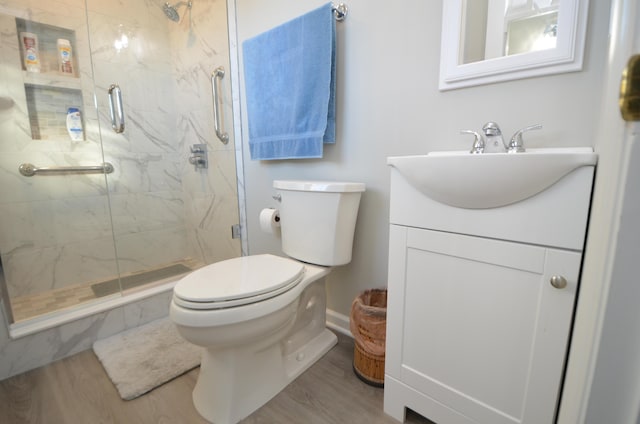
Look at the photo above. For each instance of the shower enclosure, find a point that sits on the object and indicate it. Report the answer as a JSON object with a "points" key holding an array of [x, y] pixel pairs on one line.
{"points": [[128, 204]]}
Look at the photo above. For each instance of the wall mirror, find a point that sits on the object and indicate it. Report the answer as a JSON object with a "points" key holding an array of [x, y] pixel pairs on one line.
{"points": [[487, 41]]}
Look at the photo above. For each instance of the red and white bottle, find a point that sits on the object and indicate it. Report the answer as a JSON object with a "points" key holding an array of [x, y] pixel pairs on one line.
{"points": [[31, 53]]}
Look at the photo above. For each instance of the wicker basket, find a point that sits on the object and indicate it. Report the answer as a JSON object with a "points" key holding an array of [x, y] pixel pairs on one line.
{"points": [[368, 326], [368, 368]]}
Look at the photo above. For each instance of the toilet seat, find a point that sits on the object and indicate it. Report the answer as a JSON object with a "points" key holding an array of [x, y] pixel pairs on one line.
{"points": [[236, 282]]}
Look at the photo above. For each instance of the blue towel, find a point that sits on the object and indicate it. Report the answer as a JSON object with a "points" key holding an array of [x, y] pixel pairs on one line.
{"points": [[289, 74]]}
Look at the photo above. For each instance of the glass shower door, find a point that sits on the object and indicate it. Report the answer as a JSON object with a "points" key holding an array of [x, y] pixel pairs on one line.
{"points": [[130, 50], [55, 229], [170, 215]]}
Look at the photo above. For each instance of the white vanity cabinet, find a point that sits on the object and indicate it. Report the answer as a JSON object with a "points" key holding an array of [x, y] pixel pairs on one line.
{"points": [[480, 303]]}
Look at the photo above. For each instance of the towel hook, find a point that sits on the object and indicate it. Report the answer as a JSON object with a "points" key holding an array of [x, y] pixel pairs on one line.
{"points": [[340, 11]]}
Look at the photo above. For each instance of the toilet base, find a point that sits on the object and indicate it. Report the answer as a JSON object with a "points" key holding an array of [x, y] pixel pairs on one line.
{"points": [[235, 382]]}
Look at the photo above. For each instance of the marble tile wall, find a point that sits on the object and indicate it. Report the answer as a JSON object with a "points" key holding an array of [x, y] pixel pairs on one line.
{"points": [[199, 44]]}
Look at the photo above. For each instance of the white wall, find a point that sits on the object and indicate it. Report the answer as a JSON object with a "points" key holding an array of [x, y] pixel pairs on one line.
{"points": [[389, 104]]}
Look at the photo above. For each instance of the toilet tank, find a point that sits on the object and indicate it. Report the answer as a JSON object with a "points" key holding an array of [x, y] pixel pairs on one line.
{"points": [[318, 219]]}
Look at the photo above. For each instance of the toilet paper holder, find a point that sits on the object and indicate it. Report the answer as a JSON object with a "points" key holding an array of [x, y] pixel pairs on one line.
{"points": [[270, 220]]}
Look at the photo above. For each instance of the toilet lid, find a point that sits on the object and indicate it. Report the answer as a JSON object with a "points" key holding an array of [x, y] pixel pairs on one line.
{"points": [[237, 281]]}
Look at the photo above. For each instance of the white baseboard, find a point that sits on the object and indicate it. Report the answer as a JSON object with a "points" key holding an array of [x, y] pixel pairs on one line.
{"points": [[338, 322]]}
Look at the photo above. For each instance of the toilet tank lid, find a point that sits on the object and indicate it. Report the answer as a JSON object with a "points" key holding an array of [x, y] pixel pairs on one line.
{"points": [[326, 186]]}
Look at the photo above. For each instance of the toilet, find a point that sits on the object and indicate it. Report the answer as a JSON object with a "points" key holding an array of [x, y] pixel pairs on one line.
{"points": [[261, 318]]}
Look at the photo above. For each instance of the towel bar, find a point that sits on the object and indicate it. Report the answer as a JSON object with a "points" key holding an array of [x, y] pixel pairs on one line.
{"points": [[29, 170]]}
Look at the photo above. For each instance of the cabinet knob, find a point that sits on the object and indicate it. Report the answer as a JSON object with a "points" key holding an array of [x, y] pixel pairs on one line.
{"points": [[558, 281]]}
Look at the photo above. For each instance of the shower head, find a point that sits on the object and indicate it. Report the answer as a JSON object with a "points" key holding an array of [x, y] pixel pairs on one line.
{"points": [[172, 11]]}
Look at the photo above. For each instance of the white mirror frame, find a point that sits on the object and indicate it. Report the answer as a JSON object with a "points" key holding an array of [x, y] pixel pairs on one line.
{"points": [[565, 57]]}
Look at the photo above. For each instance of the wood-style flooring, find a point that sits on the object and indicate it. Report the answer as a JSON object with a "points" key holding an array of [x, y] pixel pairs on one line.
{"points": [[76, 390]]}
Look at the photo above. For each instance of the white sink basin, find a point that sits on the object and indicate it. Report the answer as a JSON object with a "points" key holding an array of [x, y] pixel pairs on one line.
{"points": [[489, 180]]}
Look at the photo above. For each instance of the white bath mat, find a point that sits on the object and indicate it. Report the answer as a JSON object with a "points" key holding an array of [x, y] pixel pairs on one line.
{"points": [[143, 358]]}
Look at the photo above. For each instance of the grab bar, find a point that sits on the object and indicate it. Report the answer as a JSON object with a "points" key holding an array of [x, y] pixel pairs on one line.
{"points": [[216, 76], [29, 170], [118, 126]]}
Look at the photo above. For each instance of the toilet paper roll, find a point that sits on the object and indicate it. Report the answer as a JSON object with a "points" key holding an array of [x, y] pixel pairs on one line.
{"points": [[270, 220]]}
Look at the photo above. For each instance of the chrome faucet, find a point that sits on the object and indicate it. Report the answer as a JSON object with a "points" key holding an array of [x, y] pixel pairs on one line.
{"points": [[491, 141], [494, 143]]}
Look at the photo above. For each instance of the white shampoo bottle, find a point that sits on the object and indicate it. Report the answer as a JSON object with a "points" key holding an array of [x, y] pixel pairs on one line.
{"points": [[74, 124]]}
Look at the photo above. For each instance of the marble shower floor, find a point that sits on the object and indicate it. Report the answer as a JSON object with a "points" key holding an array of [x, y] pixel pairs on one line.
{"points": [[30, 306]]}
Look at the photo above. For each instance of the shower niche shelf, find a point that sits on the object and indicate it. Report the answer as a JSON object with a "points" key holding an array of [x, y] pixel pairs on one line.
{"points": [[50, 80], [49, 93], [48, 36]]}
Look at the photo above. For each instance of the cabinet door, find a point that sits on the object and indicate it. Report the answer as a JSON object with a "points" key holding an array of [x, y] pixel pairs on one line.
{"points": [[476, 327]]}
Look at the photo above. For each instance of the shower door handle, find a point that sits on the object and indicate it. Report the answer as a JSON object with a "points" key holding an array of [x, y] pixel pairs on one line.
{"points": [[115, 108], [216, 76]]}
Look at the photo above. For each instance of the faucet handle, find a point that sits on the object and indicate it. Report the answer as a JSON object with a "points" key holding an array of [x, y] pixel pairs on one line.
{"points": [[198, 148], [478, 142], [516, 145]]}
